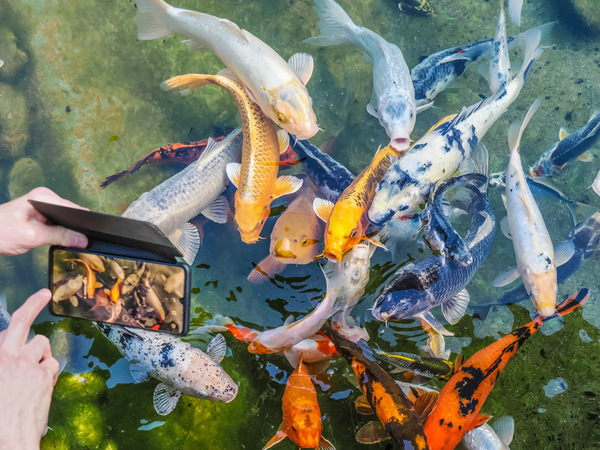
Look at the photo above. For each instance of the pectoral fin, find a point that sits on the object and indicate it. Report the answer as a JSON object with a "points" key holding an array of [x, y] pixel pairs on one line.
{"points": [[265, 270], [324, 444], [165, 398], [322, 208], [217, 348], [302, 64], [455, 308], [562, 133], [430, 320], [481, 419], [286, 184], [279, 436], [233, 173], [586, 157], [505, 429], [563, 253], [187, 241], [506, 277], [218, 210], [284, 141], [362, 406], [372, 433]]}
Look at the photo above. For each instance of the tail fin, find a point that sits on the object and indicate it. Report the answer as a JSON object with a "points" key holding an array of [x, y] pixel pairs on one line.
{"points": [[520, 39], [189, 81], [531, 52], [516, 129], [570, 304], [335, 25], [514, 11], [150, 19]]}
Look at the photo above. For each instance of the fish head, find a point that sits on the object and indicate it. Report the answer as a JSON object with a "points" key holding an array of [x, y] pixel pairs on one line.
{"points": [[291, 108], [542, 289], [398, 120], [396, 305], [544, 166], [340, 237], [204, 378], [250, 219], [355, 265], [299, 249], [303, 430], [396, 196]]}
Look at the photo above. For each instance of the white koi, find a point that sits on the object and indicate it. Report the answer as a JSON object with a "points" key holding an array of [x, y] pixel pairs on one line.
{"points": [[276, 86], [499, 64], [393, 95]]}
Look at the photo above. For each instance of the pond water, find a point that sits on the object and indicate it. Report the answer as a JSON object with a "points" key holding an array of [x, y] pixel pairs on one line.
{"points": [[80, 100]]}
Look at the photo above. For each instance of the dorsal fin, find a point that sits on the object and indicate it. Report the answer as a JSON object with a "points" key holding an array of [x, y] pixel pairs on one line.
{"points": [[516, 129]]}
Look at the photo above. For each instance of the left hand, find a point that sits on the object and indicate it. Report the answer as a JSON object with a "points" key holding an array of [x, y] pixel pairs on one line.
{"points": [[23, 228]]}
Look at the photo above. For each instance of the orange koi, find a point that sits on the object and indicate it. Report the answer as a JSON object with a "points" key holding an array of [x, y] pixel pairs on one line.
{"points": [[347, 219], [301, 413], [256, 177], [115, 291], [461, 399], [90, 284], [394, 410]]}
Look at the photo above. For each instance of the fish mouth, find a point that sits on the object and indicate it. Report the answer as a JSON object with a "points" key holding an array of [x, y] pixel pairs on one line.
{"points": [[333, 255], [285, 254], [400, 143]]}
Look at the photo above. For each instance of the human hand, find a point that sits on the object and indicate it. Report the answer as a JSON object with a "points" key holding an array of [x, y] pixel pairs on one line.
{"points": [[23, 228], [28, 373]]}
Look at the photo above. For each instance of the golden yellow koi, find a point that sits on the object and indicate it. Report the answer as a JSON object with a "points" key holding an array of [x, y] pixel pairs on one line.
{"points": [[256, 177], [347, 219]]}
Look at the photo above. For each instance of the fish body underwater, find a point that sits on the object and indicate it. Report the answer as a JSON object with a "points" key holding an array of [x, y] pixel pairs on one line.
{"points": [[195, 190], [278, 87], [416, 288], [568, 148], [417, 7], [422, 365], [301, 413], [327, 174], [295, 237], [180, 368], [256, 176], [393, 97], [461, 399], [347, 219], [394, 410], [438, 154]]}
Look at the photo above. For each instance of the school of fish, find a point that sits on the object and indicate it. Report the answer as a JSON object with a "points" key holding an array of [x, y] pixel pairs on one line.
{"points": [[412, 188]]}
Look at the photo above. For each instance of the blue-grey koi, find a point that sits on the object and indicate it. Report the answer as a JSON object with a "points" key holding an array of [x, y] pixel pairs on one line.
{"points": [[569, 147], [393, 95], [438, 154], [181, 368], [416, 288], [435, 73], [4, 315], [330, 177]]}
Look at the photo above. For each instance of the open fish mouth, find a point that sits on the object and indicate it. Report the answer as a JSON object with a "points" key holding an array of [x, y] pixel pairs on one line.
{"points": [[400, 143], [285, 254]]}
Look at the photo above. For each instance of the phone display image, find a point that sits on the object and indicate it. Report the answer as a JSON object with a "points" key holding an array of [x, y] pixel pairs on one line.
{"points": [[118, 290]]}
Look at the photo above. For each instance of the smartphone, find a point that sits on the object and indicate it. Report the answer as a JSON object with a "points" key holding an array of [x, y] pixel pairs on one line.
{"points": [[119, 290]]}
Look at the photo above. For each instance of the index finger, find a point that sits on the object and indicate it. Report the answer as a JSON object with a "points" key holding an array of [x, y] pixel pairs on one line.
{"points": [[22, 319]]}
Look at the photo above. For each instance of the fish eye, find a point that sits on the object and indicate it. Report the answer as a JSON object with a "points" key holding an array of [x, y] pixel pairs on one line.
{"points": [[353, 233], [281, 118], [304, 241]]}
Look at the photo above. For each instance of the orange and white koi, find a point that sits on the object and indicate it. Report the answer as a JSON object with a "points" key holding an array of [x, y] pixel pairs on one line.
{"points": [[256, 177], [301, 413], [347, 220], [461, 399]]}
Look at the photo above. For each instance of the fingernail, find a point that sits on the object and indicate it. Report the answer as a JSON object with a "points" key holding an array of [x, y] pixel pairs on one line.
{"points": [[79, 240]]}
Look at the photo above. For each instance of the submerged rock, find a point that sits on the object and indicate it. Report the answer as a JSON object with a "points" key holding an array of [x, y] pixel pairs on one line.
{"points": [[25, 175], [14, 58], [587, 12], [14, 120]]}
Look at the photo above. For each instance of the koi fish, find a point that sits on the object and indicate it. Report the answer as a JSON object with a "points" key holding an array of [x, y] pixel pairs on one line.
{"points": [[567, 148], [486, 437], [294, 240], [69, 289], [4, 314], [422, 365], [91, 282], [514, 11], [94, 261], [301, 413], [416, 288], [436, 72], [533, 247], [256, 177], [347, 219], [180, 368], [438, 154], [500, 63], [276, 86], [115, 270], [196, 189], [393, 409], [418, 7], [461, 399], [355, 267], [185, 153], [393, 96], [327, 174]]}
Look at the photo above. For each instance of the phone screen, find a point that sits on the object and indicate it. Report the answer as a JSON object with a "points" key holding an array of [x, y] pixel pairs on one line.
{"points": [[119, 290]]}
